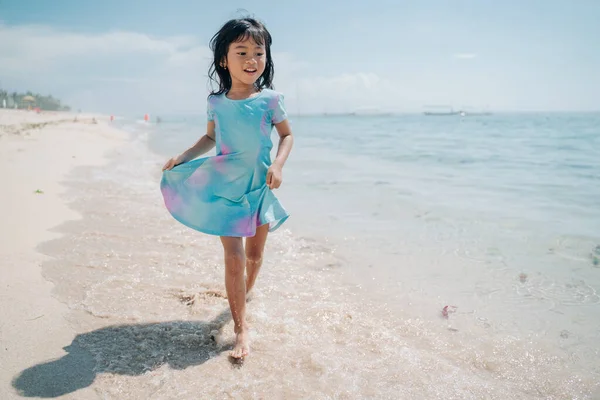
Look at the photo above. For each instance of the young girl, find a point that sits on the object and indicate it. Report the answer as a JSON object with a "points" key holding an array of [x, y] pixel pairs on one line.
{"points": [[230, 195]]}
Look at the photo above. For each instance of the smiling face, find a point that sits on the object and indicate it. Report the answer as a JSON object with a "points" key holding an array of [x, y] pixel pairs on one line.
{"points": [[246, 62]]}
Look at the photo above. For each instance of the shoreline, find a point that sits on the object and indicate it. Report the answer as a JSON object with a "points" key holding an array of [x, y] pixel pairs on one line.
{"points": [[38, 151]]}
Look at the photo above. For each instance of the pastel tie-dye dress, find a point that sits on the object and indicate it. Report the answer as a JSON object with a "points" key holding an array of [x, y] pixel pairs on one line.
{"points": [[227, 194]]}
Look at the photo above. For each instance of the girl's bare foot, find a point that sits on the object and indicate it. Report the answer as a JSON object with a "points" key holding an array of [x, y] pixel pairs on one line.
{"points": [[241, 348]]}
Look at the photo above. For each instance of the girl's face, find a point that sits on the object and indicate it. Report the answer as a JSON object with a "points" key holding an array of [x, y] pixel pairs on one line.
{"points": [[246, 62]]}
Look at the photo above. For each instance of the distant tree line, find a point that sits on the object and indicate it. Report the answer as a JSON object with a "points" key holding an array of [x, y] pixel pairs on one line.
{"points": [[31, 100]]}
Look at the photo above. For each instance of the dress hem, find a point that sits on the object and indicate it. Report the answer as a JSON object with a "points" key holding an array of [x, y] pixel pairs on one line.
{"points": [[278, 224]]}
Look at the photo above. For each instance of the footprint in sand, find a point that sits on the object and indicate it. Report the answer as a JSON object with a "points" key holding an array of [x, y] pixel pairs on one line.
{"points": [[191, 299]]}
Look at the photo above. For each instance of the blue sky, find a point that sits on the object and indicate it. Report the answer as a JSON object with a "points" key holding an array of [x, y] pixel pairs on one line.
{"points": [[331, 56]]}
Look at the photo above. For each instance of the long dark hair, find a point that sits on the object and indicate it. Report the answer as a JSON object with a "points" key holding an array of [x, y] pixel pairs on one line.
{"points": [[237, 30]]}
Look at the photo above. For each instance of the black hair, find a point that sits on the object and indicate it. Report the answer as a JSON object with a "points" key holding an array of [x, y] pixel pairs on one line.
{"points": [[236, 30]]}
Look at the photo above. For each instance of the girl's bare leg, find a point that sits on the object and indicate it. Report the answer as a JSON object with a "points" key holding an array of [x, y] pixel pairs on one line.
{"points": [[235, 285], [255, 247]]}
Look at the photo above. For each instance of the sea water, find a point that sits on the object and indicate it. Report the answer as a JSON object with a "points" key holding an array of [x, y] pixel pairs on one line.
{"points": [[425, 258]]}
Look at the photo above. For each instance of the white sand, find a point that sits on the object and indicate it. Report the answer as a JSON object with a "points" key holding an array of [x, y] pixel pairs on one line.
{"points": [[33, 327]]}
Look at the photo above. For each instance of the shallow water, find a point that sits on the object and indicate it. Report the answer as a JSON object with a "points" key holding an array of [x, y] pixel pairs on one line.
{"points": [[349, 300], [502, 210]]}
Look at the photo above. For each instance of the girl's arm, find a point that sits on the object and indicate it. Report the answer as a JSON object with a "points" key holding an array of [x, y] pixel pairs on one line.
{"points": [[204, 145], [286, 141]]}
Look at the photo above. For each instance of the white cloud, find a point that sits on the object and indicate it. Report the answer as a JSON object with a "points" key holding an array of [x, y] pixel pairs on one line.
{"points": [[115, 79], [343, 92], [114, 70], [123, 72], [39, 46], [128, 72], [464, 56]]}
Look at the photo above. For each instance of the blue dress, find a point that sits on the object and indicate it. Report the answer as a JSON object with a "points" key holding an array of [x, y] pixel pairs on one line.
{"points": [[227, 194]]}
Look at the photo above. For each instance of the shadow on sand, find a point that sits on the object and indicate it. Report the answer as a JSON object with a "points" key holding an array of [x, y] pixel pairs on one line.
{"points": [[123, 349]]}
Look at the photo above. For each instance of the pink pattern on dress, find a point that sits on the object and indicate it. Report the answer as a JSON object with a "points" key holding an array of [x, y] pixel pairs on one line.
{"points": [[173, 201], [244, 225], [225, 149], [200, 177], [220, 164]]}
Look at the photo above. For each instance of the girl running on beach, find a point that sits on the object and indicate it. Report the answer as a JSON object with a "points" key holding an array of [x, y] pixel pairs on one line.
{"points": [[230, 195]]}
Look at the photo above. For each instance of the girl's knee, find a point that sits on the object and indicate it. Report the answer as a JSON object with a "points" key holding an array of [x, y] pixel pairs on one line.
{"points": [[234, 257], [254, 256]]}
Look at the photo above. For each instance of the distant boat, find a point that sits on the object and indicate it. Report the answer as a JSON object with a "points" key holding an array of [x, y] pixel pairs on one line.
{"points": [[474, 112], [478, 114], [442, 113], [437, 113], [449, 111]]}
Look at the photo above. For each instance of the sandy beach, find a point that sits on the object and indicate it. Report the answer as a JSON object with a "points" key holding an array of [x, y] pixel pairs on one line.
{"points": [[36, 152]]}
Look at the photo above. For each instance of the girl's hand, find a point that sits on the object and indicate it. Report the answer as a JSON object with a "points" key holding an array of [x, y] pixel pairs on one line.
{"points": [[274, 176], [171, 163]]}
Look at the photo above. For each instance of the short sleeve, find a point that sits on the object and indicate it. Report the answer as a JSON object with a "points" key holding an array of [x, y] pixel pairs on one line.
{"points": [[210, 115], [279, 113]]}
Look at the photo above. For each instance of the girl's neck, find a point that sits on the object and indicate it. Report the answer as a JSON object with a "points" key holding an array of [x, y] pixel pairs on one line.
{"points": [[241, 91]]}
